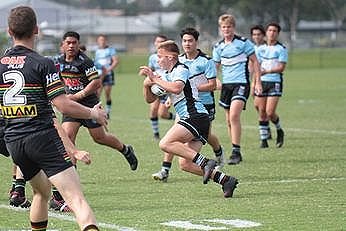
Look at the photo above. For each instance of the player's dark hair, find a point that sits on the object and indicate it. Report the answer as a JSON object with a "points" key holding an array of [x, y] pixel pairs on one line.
{"points": [[22, 22], [71, 34], [190, 31], [164, 37], [257, 27], [274, 24]]}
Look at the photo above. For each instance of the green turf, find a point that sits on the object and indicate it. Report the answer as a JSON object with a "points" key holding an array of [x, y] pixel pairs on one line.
{"points": [[298, 187]]}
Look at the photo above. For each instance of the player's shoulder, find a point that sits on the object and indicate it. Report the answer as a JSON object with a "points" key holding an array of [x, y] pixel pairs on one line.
{"points": [[241, 38], [219, 43], [203, 55], [280, 45], [82, 58]]}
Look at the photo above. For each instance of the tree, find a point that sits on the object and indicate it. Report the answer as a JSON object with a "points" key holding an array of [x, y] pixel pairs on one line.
{"points": [[202, 14]]}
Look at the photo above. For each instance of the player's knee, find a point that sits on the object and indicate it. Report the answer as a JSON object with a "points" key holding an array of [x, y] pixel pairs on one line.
{"points": [[164, 145]]}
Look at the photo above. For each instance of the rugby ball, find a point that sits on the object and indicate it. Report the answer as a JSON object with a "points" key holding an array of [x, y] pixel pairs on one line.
{"points": [[158, 90]]}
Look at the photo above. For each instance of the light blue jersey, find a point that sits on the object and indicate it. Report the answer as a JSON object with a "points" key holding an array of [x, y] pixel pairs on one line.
{"points": [[185, 104], [152, 63], [202, 69], [233, 58], [269, 57], [103, 58]]}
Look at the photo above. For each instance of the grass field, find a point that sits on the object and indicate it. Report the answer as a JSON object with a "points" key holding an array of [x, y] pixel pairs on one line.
{"points": [[301, 186]]}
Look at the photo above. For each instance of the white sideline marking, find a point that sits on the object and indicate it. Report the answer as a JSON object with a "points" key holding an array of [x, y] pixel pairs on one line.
{"points": [[71, 218], [306, 130], [295, 180], [237, 223]]}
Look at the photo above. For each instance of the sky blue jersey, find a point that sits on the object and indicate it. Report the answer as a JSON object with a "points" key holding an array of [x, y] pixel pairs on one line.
{"points": [[233, 58], [202, 69], [269, 57], [103, 57], [152, 63], [185, 104]]}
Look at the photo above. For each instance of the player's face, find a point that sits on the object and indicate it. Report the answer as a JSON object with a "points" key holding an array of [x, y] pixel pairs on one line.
{"points": [[272, 33], [227, 29], [257, 36], [158, 40], [70, 46], [101, 42], [163, 59], [189, 43]]}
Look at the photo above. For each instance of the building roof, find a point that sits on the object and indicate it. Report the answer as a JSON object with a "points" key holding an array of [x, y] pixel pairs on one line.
{"points": [[54, 18]]}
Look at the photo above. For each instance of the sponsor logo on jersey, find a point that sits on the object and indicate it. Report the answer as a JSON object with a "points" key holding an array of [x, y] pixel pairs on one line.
{"points": [[90, 70], [13, 62], [52, 77], [19, 111]]}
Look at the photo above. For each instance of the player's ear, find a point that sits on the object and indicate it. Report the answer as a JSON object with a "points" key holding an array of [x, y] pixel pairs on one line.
{"points": [[36, 30], [9, 32]]}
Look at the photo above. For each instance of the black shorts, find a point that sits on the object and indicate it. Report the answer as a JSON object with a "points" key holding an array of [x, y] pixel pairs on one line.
{"points": [[3, 148], [211, 110], [234, 91], [40, 150], [271, 89], [88, 123], [198, 126]]}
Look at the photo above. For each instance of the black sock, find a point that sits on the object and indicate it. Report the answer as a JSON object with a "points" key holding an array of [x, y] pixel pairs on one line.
{"points": [[218, 152], [20, 187], [91, 227], [124, 150], [200, 160], [220, 178], [13, 182], [235, 148], [56, 194], [41, 225], [166, 166]]}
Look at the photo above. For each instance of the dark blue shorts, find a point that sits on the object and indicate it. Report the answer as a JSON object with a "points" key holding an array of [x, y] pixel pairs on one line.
{"points": [[108, 80]]}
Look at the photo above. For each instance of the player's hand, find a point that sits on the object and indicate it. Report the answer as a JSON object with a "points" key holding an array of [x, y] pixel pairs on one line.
{"points": [[99, 114], [148, 72], [258, 88], [83, 156]]}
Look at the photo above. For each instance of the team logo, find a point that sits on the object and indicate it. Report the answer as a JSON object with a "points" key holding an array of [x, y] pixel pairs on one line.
{"points": [[19, 111]]}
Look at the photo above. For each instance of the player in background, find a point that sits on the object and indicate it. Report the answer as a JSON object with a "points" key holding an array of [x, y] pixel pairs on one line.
{"points": [[106, 60], [258, 38], [273, 58], [232, 54], [30, 135], [158, 108], [203, 73], [81, 83], [186, 137]]}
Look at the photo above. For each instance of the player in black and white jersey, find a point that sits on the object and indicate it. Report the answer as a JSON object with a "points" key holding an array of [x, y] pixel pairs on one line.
{"points": [[28, 83]]}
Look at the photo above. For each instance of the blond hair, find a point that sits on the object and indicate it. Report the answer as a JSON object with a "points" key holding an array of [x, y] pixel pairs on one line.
{"points": [[227, 18], [170, 46]]}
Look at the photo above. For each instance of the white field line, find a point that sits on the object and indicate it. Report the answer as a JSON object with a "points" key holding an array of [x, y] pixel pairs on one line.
{"points": [[71, 218], [249, 127]]}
